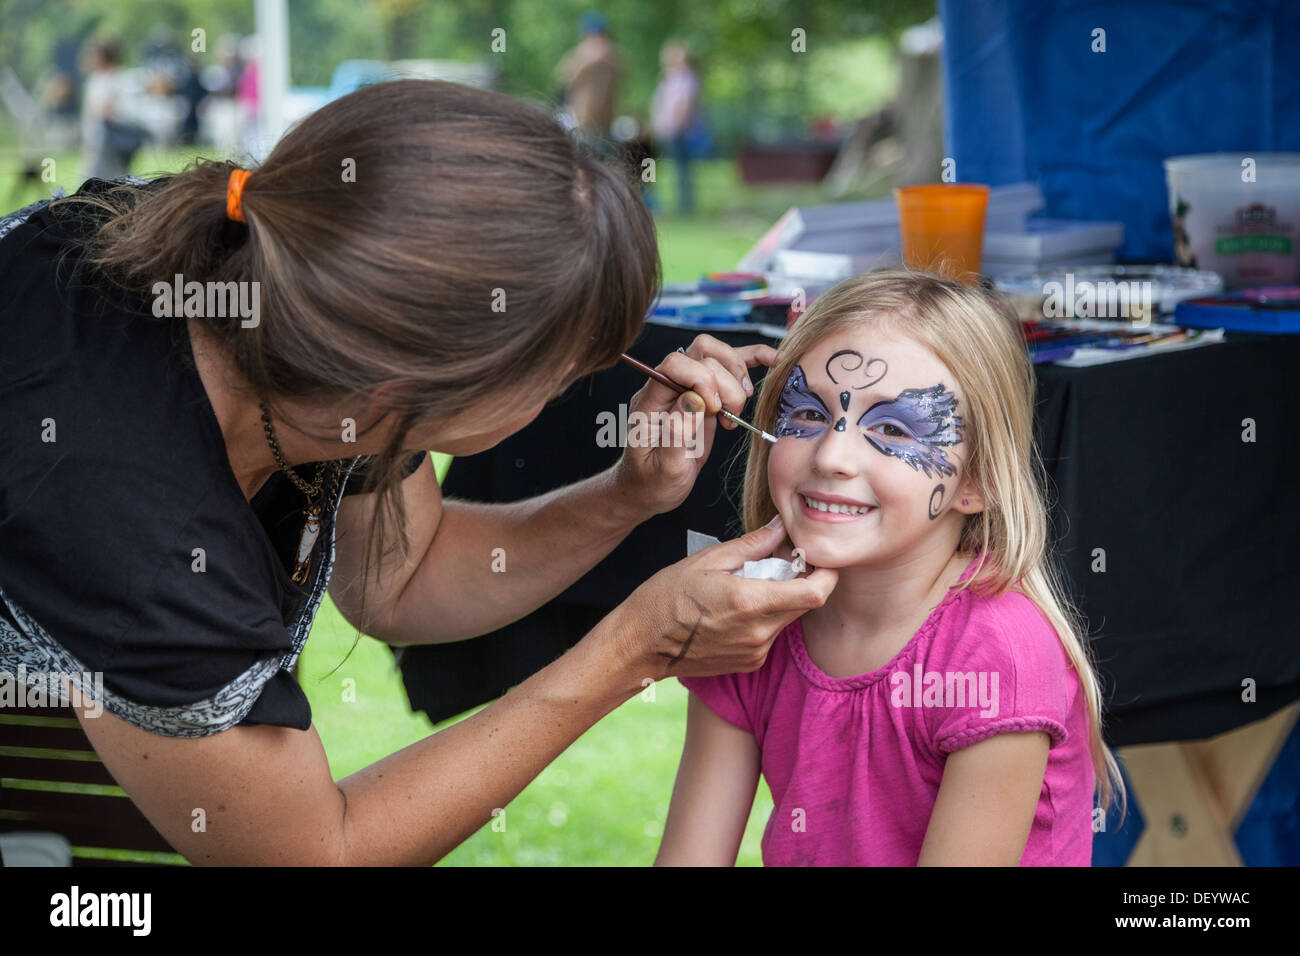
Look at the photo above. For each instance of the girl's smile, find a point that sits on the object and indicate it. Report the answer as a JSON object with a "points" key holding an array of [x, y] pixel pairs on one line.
{"points": [[833, 508]]}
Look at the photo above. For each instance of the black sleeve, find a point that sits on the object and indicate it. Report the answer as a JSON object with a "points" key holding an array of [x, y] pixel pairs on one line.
{"points": [[130, 560], [357, 479]]}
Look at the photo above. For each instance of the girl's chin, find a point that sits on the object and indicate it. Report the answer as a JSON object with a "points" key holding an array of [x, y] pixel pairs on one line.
{"points": [[830, 558]]}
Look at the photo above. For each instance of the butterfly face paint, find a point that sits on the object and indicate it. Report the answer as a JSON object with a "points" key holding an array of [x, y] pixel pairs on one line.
{"points": [[798, 408], [883, 385], [923, 420]]}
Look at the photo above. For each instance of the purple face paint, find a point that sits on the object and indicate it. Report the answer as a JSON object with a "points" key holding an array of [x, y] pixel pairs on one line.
{"points": [[798, 410], [922, 419]]}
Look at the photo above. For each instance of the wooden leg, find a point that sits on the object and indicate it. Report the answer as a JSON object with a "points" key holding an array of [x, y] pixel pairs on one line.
{"points": [[1194, 793]]}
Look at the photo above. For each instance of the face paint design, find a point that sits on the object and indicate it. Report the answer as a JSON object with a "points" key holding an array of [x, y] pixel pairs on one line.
{"points": [[797, 411], [936, 501], [922, 419], [872, 371]]}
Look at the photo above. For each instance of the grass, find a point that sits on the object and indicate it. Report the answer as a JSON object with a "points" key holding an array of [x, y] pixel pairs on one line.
{"points": [[605, 799]]}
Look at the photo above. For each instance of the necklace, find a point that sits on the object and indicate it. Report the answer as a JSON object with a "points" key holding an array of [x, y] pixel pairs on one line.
{"points": [[312, 513]]}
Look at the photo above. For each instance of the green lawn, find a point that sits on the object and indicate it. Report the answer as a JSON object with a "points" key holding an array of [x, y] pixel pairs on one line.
{"points": [[604, 801]]}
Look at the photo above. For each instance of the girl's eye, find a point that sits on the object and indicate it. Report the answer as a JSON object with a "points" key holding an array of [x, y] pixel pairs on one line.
{"points": [[810, 411], [890, 430]]}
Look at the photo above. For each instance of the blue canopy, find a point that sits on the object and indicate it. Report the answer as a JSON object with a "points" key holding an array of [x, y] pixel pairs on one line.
{"points": [[1029, 99]]}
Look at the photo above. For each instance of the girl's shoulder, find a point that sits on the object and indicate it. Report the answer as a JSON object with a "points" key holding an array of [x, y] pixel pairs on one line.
{"points": [[1009, 627]]}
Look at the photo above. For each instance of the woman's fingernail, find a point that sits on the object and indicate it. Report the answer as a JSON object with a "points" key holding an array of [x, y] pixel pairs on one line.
{"points": [[717, 397], [775, 522], [685, 403], [748, 386]]}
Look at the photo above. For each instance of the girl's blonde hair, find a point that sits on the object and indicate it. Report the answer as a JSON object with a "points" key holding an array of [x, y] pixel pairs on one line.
{"points": [[976, 335]]}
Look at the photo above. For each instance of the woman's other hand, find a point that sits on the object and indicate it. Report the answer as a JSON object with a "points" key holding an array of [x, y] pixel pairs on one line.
{"points": [[694, 618]]}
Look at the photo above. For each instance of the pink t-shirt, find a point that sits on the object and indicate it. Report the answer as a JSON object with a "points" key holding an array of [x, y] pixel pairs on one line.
{"points": [[854, 763]]}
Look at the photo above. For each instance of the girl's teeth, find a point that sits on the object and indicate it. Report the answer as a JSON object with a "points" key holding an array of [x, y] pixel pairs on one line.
{"points": [[834, 507]]}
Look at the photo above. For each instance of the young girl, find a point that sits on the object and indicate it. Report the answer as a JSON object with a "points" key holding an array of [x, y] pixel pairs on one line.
{"points": [[940, 708]]}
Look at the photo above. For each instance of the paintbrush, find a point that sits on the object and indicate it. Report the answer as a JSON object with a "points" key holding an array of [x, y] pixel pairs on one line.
{"points": [[663, 379]]}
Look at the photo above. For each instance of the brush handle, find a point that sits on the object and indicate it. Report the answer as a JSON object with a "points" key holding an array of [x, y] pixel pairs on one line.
{"points": [[663, 379]]}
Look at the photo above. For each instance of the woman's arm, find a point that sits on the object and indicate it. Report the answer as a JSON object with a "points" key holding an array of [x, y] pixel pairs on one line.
{"points": [[986, 802], [714, 792], [266, 794], [267, 797], [520, 555], [515, 557]]}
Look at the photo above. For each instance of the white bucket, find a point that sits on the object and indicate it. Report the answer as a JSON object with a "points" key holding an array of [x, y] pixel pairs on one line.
{"points": [[1237, 214]]}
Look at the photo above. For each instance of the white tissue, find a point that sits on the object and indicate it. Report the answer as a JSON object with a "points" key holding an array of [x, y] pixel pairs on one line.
{"points": [[768, 569]]}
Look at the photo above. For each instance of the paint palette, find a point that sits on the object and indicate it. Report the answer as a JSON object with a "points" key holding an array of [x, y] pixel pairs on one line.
{"points": [[733, 285], [1273, 310]]}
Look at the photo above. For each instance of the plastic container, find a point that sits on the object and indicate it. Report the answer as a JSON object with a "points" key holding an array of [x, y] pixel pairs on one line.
{"points": [[1237, 218], [942, 227]]}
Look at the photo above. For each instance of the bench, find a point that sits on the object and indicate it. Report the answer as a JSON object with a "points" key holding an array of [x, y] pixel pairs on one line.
{"points": [[52, 781]]}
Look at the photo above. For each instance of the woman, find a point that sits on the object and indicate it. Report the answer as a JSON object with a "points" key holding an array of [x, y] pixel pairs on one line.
{"points": [[213, 385], [108, 138], [673, 112]]}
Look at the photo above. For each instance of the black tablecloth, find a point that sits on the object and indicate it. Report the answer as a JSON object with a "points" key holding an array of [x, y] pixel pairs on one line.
{"points": [[1199, 530]]}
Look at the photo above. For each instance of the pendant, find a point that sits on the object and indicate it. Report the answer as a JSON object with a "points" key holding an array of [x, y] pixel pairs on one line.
{"points": [[310, 532]]}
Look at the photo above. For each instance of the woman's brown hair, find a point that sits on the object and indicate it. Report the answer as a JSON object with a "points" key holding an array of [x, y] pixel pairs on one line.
{"points": [[452, 244]]}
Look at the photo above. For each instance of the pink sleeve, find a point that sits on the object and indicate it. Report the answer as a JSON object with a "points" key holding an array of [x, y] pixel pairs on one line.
{"points": [[726, 694], [1013, 674]]}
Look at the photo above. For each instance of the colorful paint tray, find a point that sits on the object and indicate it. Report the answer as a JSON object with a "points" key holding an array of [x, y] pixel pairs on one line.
{"points": [[1272, 310]]}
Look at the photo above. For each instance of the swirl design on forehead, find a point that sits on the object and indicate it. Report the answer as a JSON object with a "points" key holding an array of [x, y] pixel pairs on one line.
{"points": [[927, 418], [873, 370]]}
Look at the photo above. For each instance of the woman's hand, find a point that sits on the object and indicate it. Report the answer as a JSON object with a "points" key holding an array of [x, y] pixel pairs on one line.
{"points": [[694, 618], [661, 462]]}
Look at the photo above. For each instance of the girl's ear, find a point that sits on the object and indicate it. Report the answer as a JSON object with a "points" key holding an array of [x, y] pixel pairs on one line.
{"points": [[969, 500]]}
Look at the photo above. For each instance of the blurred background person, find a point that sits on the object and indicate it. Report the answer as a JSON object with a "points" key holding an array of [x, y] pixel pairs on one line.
{"points": [[672, 114], [590, 73], [248, 96], [172, 77], [60, 97], [109, 138], [220, 121]]}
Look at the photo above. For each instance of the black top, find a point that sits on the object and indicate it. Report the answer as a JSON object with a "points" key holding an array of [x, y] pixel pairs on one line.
{"points": [[113, 476]]}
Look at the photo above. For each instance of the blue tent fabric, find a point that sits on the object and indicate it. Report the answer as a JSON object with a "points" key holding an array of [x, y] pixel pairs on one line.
{"points": [[1269, 833], [1028, 99]]}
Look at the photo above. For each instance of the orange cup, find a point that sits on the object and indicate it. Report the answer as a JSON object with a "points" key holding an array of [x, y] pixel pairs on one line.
{"points": [[943, 227]]}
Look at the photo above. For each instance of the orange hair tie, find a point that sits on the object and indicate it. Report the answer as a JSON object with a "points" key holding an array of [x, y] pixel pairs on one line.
{"points": [[234, 194]]}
